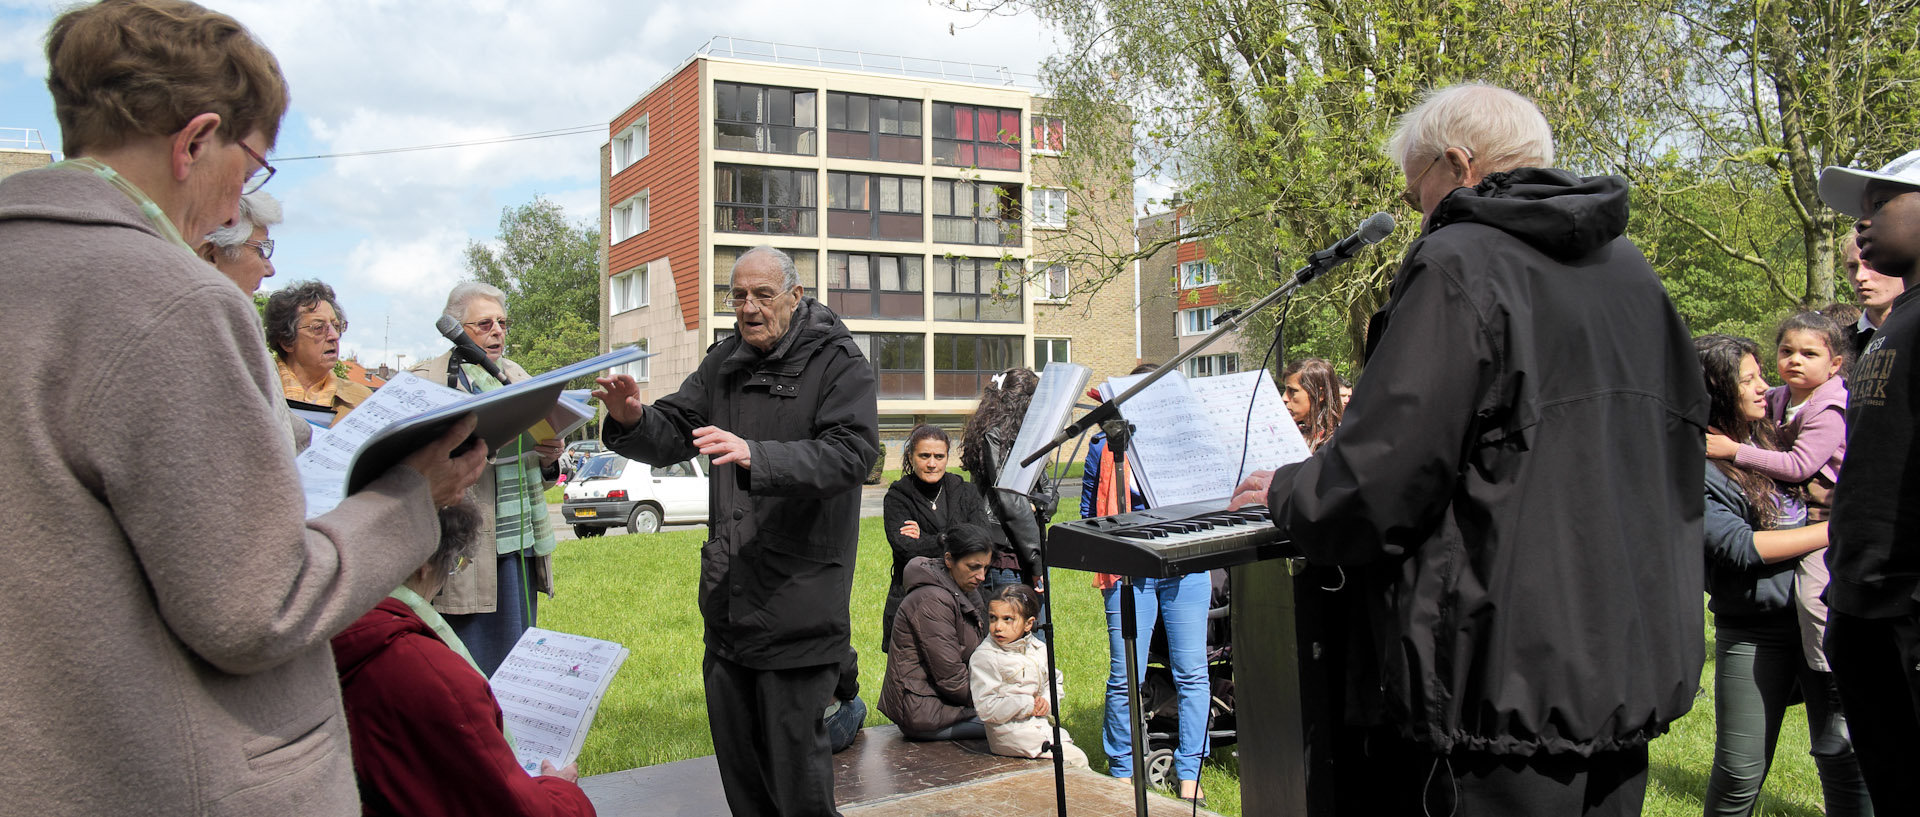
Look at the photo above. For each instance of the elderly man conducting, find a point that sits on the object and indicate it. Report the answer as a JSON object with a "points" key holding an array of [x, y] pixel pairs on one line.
{"points": [[167, 604], [786, 409], [1514, 494]]}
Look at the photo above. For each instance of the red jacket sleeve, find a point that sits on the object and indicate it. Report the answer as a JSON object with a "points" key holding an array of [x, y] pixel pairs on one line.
{"points": [[427, 741]]}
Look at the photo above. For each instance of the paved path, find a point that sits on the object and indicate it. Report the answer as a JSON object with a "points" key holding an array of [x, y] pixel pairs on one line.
{"points": [[871, 497]]}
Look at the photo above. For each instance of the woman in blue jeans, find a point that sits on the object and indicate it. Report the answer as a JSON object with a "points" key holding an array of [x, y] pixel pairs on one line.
{"points": [[1755, 532], [1180, 605]]}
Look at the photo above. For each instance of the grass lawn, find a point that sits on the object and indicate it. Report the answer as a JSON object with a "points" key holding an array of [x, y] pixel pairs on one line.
{"points": [[639, 590]]}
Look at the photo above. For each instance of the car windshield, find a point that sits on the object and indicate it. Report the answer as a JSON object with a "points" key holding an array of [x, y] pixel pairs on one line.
{"points": [[604, 466]]}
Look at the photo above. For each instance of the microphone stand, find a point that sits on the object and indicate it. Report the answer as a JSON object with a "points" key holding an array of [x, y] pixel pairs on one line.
{"points": [[1117, 429]]}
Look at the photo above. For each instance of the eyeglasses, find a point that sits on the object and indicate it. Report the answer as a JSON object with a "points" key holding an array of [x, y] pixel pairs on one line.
{"points": [[758, 302], [460, 565], [264, 245], [318, 329], [487, 325], [257, 179], [1409, 195]]}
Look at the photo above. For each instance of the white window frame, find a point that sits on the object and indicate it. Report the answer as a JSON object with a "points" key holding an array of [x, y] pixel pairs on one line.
{"points": [[638, 369], [1219, 364], [1209, 274], [1038, 144], [1038, 364], [1043, 216], [1181, 224], [632, 145], [1043, 275], [631, 217], [628, 291], [1201, 317]]}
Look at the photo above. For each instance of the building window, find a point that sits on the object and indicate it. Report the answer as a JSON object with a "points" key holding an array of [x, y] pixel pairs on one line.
{"points": [[763, 119], [628, 290], [963, 363], [972, 136], [1051, 350], [771, 200], [1198, 274], [873, 127], [864, 285], [862, 205], [1049, 208], [1210, 365], [1197, 321], [976, 213], [1048, 134], [1181, 224], [899, 364], [638, 369], [975, 289], [1053, 282], [631, 217], [806, 261], [631, 145]]}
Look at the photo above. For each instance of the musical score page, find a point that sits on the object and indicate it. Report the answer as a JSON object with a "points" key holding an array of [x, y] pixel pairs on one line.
{"points": [[1271, 438], [549, 688], [323, 466]]}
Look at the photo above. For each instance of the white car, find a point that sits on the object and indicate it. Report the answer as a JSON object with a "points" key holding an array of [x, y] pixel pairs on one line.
{"points": [[610, 491]]}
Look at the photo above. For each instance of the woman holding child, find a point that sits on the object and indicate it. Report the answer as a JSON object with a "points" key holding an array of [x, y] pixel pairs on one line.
{"points": [[1757, 530]]}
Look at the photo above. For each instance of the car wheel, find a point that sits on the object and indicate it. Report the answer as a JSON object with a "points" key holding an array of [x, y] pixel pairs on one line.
{"points": [[646, 519], [587, 531]]}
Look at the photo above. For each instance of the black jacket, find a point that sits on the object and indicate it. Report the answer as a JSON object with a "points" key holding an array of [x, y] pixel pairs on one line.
{"points": [[1016, 516], [777, 568], [1740, 584], [927, 686], [1516, 484], [960, 504], [1874, 558]]}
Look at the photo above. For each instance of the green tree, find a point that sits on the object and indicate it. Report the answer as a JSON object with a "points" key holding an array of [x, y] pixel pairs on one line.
{"points": [[550, 272], [1271, 117]]}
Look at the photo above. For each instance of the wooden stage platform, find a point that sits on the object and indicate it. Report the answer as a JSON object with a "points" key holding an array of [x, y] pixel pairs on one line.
{"points": [[884, 775]]}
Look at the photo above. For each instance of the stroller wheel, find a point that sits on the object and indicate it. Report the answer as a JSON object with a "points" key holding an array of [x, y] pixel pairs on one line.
{"points": [[1160, 768]]}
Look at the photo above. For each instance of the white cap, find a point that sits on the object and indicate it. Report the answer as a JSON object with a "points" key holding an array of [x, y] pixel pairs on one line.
{"points": [[1842, 187]]}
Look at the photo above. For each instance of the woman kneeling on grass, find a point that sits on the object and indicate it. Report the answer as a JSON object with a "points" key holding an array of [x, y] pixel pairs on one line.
{"points": [[934, 635], [426, 730], [1755, 533]]}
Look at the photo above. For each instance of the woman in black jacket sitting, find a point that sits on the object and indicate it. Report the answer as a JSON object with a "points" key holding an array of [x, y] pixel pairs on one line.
{"points": [[922, 503]]}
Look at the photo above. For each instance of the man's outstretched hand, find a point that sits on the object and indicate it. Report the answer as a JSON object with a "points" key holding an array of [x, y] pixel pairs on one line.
{"points": [[621, 395]]}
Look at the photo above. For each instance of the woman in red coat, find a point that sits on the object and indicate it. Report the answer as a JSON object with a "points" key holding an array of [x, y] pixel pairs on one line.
{"points": [[425, 727]]}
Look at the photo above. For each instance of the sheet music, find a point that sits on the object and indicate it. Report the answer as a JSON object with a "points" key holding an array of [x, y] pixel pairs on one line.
{"points": [[1061, 385], [549, 688], [323, 466], [1271, 439], [1187, 434]]}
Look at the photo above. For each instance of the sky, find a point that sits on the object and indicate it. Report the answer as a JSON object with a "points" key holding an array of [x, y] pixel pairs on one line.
{"points": [[389, 232]]}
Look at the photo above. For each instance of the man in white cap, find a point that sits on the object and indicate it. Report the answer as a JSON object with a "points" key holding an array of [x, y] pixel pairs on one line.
{"points": [[1873, 600]]}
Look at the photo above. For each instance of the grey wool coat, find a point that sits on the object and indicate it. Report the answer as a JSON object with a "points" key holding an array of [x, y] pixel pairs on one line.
{"points": [[167, 605]]}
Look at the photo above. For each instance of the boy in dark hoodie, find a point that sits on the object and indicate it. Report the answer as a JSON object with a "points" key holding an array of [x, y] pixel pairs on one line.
{"points": [[1873, 600]]}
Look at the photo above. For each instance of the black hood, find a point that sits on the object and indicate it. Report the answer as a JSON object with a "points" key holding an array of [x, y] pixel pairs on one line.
{"points": [[1560, 214], [813, 324]]}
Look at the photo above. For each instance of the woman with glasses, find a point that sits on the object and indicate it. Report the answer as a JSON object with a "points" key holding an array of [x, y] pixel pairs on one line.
{"points": [[491, 608], [304, 325], [426, 729], [241, 250]]}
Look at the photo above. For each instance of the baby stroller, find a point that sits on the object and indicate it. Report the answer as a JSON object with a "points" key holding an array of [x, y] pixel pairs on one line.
{"points": [[1159, 700]]}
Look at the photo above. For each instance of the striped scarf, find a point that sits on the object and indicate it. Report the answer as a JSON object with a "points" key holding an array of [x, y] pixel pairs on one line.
{"points": [[520, 519]]}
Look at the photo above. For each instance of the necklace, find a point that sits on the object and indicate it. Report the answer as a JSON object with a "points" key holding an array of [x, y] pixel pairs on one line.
{"points": [[934, 503]]}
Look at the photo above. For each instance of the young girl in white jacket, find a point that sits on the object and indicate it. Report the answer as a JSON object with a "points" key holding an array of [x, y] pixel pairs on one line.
{"points": [[1006, 674]]}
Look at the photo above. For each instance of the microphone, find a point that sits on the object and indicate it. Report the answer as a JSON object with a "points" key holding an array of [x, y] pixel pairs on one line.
{"points": [[466, 349], [1377, 226]]}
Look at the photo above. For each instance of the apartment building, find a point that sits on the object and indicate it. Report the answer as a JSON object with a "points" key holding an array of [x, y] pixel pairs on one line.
{"points": [[1179, 300], [22, 149], [926, 211]]}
